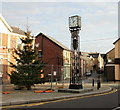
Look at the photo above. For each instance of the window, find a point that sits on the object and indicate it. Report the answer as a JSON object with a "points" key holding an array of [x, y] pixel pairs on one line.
{"points": [[40, 54]]}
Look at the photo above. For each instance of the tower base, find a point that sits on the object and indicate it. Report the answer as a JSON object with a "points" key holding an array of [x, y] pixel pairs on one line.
{"points": [[75, 86]]}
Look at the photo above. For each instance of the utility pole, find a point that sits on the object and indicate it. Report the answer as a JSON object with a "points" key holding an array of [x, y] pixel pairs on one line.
{"points": [[51, 75]]}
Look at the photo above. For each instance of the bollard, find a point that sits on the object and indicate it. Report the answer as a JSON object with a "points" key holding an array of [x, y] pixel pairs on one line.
{"points": [[98, 84], [93, 82]]}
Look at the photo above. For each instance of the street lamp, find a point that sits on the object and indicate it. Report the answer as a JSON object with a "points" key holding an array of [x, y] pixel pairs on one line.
{"points": [[75, 77]]}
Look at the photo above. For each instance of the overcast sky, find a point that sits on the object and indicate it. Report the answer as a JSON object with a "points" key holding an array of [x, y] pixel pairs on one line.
{"points": [[99, 21]]}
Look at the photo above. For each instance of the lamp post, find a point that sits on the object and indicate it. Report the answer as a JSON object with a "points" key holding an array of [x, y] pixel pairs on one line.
{"points": [[75, 27]]}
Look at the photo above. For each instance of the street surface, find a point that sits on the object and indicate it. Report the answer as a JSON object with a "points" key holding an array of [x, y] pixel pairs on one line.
{"points": [[108, 100], [105, 100]]}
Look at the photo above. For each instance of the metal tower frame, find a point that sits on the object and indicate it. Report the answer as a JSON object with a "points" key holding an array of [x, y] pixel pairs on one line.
{"points": [[75, 77]]}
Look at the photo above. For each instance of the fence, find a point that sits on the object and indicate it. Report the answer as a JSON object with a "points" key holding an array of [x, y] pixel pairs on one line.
{"points": [[51, 73]]}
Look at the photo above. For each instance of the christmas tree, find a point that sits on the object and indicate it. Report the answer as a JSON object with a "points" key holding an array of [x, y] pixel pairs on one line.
{"points": [[28, 68]]}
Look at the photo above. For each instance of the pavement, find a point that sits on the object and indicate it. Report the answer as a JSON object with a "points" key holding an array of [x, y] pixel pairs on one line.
{"points": [[28, 96]]}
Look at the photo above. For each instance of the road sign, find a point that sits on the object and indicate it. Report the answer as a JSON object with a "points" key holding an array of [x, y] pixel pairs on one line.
{"points": [[54, 73]]}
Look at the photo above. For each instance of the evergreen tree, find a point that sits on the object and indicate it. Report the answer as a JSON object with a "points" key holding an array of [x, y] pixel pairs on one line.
{"points": [[27, 71]]}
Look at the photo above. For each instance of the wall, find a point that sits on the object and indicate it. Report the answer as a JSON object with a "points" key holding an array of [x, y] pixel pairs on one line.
{"points": [[4, 55], [4, 31], [109, 72], [117, 55], [111, 55], [52, 54]]}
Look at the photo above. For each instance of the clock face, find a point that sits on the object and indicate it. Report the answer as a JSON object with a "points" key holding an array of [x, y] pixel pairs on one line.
{"points": [[74, 21]]}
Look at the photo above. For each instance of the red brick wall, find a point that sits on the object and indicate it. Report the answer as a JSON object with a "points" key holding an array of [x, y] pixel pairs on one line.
{"points": [[52, 53]]}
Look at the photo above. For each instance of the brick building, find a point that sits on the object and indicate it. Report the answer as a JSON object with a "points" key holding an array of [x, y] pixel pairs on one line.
{"points": [[117, 59], [111, 55], [66, 63], [9, 40], [112, 68], [86, 63], [95, 62], [52, 53]]}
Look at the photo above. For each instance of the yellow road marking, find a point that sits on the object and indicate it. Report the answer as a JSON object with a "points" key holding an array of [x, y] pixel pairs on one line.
{"points": [[41, 103]]}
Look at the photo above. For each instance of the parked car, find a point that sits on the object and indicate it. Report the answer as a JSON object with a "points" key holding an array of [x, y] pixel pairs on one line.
{"points": [[88, 74]]}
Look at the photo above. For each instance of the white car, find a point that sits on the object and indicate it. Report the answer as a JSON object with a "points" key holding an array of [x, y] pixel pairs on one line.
{"points": [[88, 74]]}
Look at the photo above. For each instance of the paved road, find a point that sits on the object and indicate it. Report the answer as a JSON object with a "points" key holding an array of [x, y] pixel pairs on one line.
{"points": [[110, 100]]}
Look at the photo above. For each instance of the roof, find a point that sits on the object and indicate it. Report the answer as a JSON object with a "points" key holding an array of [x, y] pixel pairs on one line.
{"points": [[85, 54], [54, 40], [110, 50], [94, 55], [12, 29], [5, 23], [17, 30], [116, 41]]}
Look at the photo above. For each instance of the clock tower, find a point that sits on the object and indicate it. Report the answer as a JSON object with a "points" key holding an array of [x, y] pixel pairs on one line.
{"points": [[75, 75]]}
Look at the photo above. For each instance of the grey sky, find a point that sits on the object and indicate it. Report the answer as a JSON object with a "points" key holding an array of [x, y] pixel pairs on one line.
{"points": [[99, 21]]}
